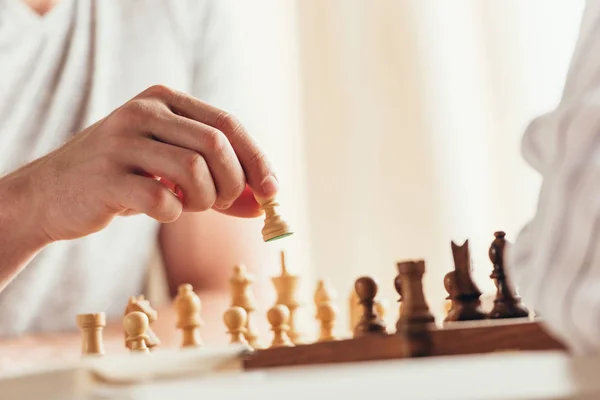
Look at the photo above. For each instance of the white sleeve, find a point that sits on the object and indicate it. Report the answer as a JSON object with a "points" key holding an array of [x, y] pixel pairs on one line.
{"points": [[555, 260]]}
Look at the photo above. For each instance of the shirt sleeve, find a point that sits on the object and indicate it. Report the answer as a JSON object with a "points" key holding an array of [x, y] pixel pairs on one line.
{"points": [[555, 260]]}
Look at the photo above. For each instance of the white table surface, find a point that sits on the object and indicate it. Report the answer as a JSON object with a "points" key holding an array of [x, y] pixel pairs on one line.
{"points": [[525, 375]]}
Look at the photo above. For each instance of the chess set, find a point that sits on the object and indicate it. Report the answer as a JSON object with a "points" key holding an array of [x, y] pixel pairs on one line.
{"points": [[466, 328]]}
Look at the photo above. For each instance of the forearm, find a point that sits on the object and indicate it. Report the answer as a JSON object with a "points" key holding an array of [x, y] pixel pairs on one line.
{"points": [[20, 239], [202, 249]]}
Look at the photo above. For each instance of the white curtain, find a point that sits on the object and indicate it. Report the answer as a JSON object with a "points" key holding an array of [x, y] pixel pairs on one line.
{"points": [[413, 111], [395, 128]]}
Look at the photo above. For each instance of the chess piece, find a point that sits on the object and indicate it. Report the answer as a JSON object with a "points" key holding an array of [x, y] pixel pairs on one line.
{"points": [[415, 321], [355, 310], [274, 228], [398, 286], [326, 310], [235, 321], [507, 303], [241, 296], [326, 315], [449, 286], [91, 326], [278, 317], [286, 285], [323, 293], [366, 289], [188, 307], [464, 293], [136, 323], [380, 307], [139, 303]]}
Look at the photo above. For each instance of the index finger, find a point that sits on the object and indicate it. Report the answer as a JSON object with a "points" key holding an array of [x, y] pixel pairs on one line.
{"points": [[259, 173]]}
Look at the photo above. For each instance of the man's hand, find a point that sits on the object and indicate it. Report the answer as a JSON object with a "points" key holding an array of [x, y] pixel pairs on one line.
{"points": [[161, 153]]}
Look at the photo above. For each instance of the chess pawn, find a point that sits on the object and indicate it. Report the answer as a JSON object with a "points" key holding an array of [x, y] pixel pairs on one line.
{"points": [[506, 304], [91, 326], [188, 307], [366, 289], [235, 321], [286, 285], [278, 317], [274, 228], [241, 296], [136, 323], [449, 286], [327, 314]]}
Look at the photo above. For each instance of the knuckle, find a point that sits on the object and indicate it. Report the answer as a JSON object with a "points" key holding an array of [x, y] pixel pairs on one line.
{"points": [[160, 91], [216, 142], [230, 124], [195, 166], [204, 195], [160, 198], [206, 200], [137, 111], [231, 191], [238, 187], [258, 158]]}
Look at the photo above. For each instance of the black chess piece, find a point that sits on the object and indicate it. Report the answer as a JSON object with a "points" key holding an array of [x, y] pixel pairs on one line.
{"points": [[449, 286], [507, 303], [464, 293], [398, 286], [366, 289], [415, 321]]}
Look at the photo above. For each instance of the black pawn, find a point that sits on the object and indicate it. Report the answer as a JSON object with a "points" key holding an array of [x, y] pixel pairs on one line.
{"points": [[366, 289], [506, 304]]}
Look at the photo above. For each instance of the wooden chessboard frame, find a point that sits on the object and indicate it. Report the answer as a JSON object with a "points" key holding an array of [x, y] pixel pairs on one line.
{"points": [[458, 338]]}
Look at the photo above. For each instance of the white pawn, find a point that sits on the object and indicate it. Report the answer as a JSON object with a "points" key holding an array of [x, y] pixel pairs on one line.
{"points": [[278, 317], [235, 321]]}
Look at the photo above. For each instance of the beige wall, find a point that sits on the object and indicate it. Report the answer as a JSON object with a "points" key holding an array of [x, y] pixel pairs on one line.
{"points": [[395, 128], [413, 113]]}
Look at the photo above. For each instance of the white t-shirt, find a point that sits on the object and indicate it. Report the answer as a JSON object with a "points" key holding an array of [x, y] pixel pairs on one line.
{"points": [[61, 72]]}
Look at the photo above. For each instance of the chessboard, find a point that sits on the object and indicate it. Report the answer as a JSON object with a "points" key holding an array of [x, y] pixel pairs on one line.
{"points": [[466, 330]]}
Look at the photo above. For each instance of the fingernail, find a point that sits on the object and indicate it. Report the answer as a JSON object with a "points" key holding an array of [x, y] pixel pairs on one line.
{"points": [[269, 186], [224, 206]]}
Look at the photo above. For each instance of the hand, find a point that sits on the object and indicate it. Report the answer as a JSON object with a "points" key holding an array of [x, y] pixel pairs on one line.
{"points": [[161, 153]]}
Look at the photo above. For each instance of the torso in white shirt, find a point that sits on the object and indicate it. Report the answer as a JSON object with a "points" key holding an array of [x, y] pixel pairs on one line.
{"points": [[58, 74]]}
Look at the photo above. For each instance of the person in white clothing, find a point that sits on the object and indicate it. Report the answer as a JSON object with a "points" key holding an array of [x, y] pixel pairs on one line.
{"points": [[555, 260], [116, 132]]}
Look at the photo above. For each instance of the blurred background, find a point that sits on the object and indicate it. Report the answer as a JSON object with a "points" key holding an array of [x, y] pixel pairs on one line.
{"points": [[395, 128]]}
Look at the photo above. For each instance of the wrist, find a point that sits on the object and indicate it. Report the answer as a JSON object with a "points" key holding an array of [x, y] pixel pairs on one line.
{"points": [[20, 236]]}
